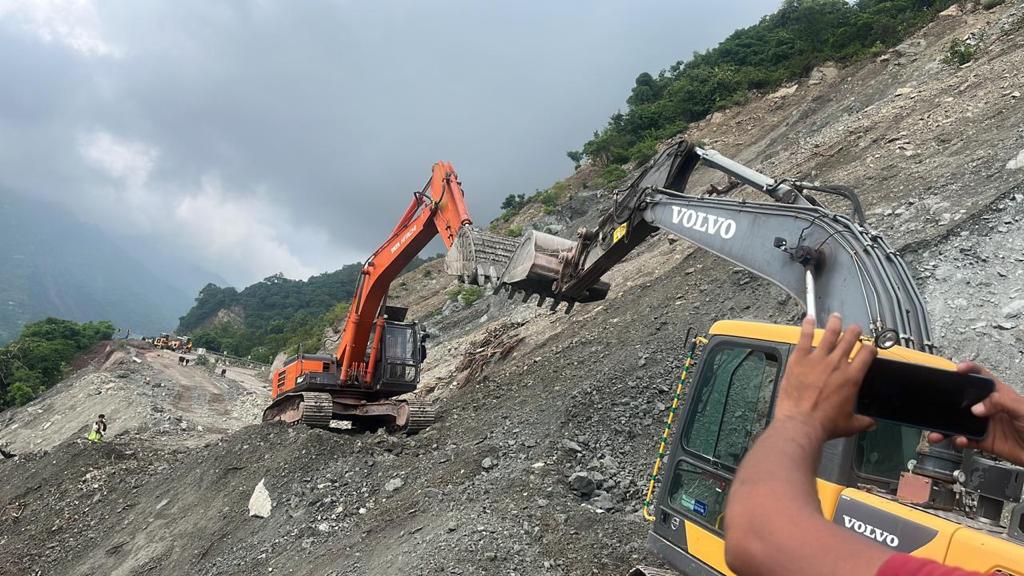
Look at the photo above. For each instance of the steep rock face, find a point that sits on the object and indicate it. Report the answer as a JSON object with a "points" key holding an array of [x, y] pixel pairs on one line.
{"points": [[490, 488]]}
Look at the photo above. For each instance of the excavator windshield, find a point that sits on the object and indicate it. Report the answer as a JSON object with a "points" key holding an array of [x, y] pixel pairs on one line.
{"points": [[401, 353]]}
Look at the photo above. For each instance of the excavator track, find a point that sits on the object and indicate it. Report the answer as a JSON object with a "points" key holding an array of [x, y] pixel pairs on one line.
{"points": [[313, 409], [317, 408], [422, 414]]}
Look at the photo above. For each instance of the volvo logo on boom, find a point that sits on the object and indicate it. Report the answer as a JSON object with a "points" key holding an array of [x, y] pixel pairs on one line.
{"points": [[714, 225]]}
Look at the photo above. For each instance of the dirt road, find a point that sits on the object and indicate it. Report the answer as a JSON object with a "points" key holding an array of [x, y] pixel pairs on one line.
{"points": [[142, 392]]}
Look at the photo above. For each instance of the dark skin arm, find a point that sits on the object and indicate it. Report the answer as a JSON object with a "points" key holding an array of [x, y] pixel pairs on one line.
{"points": [[773, 518]]}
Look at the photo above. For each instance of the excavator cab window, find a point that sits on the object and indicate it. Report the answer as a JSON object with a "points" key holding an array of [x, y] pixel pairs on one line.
{"points": [[727, 407], [401, 353], [732, 403]]}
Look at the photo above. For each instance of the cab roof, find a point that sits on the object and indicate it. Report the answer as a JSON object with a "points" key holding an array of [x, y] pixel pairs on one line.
{"points": [[791, 335]]}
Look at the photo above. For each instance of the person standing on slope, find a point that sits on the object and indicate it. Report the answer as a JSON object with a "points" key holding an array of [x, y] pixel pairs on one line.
{"points": [[99, 428]]}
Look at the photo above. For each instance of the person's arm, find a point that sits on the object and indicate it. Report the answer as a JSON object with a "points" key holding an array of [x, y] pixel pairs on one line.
{"points": [[1004, 409], [773, 521]]}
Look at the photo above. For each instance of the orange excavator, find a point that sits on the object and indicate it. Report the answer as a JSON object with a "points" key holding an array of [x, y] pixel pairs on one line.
{"points": [[379, 355]]}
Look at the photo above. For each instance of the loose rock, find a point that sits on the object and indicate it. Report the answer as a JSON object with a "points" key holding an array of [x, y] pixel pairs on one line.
{"points": [[260, 504]]}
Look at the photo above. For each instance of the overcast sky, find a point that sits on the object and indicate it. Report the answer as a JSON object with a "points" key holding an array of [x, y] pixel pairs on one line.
{"points": [[288, 136]]}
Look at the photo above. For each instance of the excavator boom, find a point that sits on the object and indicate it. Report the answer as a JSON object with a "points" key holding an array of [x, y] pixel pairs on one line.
{"points": [[439, 209], [827, 261]]}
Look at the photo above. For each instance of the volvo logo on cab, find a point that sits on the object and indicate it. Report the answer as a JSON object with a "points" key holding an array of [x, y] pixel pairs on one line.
{"points": [[714, 225], [870, 531]]}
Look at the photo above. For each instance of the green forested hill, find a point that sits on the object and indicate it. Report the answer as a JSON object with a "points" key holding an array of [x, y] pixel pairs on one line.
{"points": [[268, 316], [276, 314], [781, 47], [42, 354]]}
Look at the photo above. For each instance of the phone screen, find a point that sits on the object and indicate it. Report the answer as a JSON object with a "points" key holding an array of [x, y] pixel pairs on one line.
{"points": [[923, 397]]}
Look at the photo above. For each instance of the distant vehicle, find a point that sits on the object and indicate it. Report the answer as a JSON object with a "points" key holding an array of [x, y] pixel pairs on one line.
{"points": [[161, 341], [174, 343]]}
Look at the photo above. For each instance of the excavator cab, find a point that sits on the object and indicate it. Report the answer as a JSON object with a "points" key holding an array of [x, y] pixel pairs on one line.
{"points": [[729, 401], [398, 369]]}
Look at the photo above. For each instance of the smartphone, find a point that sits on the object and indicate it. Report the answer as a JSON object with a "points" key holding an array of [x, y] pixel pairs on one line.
{"points": [[922, 397]]}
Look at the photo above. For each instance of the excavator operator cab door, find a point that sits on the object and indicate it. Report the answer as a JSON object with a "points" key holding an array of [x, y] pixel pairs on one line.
{"points": [[398, 370], [728, 403]]}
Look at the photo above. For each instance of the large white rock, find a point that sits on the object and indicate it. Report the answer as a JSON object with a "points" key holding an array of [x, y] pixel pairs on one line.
{"points": [[1016, 163], [259, 503]]}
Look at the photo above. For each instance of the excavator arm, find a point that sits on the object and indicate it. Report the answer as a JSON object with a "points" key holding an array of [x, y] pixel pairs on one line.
{"points": [[439, 209], [827, 261]]}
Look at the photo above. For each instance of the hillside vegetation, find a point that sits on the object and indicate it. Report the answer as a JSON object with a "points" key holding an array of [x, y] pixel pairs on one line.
{"points": [[42, 354], [782, 47], [274, 315]]}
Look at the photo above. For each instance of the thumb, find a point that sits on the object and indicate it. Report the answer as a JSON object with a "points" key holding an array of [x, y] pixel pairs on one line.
{"points": [[862, 423], [994, 404]]}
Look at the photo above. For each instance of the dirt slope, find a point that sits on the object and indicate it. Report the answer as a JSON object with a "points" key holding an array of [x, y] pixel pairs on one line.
{"points": [[932, 150]]}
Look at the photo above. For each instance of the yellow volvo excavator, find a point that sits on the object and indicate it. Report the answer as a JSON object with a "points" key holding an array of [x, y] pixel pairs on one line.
{"points": [[962, 508]]}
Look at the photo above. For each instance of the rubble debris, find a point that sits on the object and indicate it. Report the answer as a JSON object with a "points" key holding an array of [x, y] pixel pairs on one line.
{"points": [[12, 512], [497, 342], [578, 409], [394, 484], [571, 446], [783, 92], [582, 483]]}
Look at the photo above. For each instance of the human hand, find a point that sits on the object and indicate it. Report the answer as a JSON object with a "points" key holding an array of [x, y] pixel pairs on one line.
{"points": [[820, 385], [1004, 409]]}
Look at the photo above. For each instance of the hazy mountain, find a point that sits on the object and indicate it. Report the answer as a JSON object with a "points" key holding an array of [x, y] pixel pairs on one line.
{"points": [[55, 265]]}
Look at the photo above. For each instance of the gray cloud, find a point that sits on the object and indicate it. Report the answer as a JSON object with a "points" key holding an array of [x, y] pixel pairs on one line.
{"points": [[289, 135]]}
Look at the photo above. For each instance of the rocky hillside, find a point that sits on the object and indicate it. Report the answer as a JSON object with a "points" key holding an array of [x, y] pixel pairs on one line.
{"points": [[530, 398]]}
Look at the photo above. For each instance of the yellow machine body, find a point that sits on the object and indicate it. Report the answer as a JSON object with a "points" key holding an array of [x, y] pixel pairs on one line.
{"points": [[691, 540]]}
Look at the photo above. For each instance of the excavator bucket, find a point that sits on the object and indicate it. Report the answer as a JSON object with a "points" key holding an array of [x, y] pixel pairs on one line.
{"points": [[478, 257], [528, 265], [535, 269]]}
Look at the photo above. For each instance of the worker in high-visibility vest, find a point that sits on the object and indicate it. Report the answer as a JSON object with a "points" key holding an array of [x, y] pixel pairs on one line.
{"points": [[99, 428]]}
